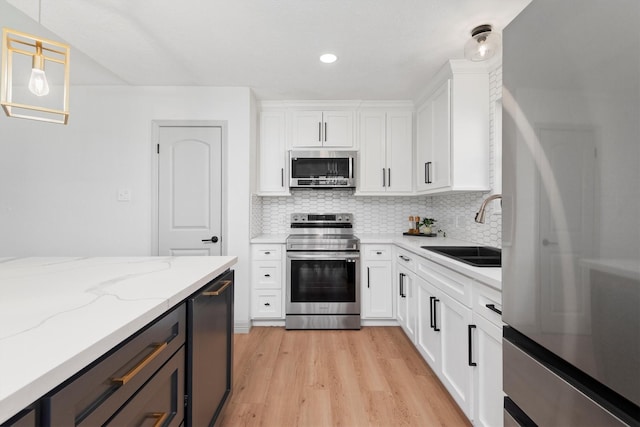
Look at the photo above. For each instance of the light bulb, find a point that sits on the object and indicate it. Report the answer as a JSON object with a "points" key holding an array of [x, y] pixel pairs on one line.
{"points": [[482, 49], [38, 84]]}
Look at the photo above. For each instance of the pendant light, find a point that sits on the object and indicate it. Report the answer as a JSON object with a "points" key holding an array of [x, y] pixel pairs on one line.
{"points": [[48, 106], [484, 44]]}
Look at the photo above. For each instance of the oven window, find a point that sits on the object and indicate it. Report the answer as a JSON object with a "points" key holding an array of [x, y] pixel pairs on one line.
{"points": [[315, 168], [323, 281]]}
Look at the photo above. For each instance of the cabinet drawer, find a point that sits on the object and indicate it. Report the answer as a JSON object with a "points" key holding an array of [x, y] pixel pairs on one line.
{"points": [[97, 393], [487, 302], [266, 252], [406, 259], [267, 304], [160, 402], [26, 418], [382, 253], [267, 274], [454, 284]]}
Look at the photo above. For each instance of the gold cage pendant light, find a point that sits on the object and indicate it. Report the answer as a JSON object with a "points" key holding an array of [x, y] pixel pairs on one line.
{"points": [[36, 100]]}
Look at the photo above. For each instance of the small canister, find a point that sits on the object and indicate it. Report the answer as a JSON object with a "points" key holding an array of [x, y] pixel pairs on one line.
{"points": [[412, 223]]}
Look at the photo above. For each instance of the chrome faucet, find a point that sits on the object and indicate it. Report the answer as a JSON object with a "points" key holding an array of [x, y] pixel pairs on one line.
{"points": [[480, 213]]}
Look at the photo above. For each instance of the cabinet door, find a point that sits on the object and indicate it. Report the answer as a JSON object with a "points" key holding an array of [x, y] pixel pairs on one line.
{"points": [[337, 129], [272, 155], [456, 372], [377, 289], [307, 129], [372, 163], [487, 353], [434, 141], [427, 336], [406, 310], [399, 152], [401, 298]]}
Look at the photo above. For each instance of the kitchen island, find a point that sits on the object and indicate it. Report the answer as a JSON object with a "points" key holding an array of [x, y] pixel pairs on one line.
{"points": [[58, 315]]}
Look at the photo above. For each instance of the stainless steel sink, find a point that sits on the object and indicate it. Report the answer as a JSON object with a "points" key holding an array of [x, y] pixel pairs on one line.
{"points": [[477, 256]]}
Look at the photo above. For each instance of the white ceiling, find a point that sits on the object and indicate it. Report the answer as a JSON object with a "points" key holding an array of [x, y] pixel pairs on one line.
{"points": [[387, 49]]}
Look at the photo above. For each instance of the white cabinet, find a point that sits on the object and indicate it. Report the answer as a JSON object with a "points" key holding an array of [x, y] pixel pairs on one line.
{"points": [[323, 129], [406, 295], [377, 284], [427, 331], [272, 154], [267, 281], [487, 354], [386, 148], [452, 144]]}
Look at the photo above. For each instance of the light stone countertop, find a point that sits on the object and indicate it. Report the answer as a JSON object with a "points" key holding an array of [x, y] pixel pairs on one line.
{"points": [[57, 315], [491, 276]]}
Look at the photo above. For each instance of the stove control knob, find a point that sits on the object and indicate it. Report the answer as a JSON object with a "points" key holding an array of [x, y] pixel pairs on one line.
{"points": [[339, 218]]}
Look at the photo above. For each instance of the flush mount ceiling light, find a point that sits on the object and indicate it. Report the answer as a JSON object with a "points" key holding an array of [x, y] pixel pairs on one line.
{"points": [[21, 51], [328, 58], [483, 44]]}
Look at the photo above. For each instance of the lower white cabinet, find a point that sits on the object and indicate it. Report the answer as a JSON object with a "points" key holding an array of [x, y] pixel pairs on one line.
{"points": [[376, 283], [406, 295], [267, 281]]}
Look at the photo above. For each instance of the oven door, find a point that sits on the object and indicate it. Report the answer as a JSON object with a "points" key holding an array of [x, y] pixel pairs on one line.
{"points": [[323, 283]]}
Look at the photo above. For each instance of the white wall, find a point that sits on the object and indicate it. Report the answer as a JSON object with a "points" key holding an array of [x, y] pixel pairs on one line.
{"points": [[58, 184]]}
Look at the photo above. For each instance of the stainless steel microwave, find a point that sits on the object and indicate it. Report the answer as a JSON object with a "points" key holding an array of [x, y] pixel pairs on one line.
{"points": [[322, 169]]}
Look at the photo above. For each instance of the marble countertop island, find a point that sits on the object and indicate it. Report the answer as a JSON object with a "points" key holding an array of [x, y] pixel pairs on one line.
{"points": [[58, 315]]}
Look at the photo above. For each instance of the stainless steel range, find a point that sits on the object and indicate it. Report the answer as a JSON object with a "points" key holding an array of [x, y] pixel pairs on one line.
{"points": [[323, 273]]}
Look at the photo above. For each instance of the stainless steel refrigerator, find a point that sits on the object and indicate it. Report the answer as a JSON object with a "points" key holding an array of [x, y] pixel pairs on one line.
{"points": [[571, 214]]}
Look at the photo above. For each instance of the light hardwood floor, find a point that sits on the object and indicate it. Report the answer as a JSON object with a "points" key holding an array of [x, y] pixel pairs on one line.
{"points": [[371, 377]]}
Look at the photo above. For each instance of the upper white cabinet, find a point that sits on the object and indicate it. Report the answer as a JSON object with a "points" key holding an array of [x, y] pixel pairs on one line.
{"points": [[386, 148], [272, 154], [322, 129], [452, 144]]}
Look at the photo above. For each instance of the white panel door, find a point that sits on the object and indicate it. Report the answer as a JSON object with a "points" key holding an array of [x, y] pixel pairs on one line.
{"points": [[456, 374], [189, 190], [307, 129], [427, 331], [372, 162], [377, 290], [399, 152], [337, 129]]}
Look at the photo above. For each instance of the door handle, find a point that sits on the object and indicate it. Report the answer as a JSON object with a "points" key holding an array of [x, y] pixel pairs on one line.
{"points": [[389, 180], [427, 173], [368, 278], [547, 242], [325, 131], [432, 323], [492, 307], [470, 331], [435, 315], [213, 239], [319, 132], [384, 178]]}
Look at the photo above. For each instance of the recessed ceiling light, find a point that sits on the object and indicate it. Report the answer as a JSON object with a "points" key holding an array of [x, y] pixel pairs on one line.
{"points": [[328, 58]]}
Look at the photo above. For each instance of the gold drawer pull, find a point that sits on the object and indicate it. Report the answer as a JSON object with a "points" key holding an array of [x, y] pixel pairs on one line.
{"points": [[144, 362], [160, 417], [220, 290]]}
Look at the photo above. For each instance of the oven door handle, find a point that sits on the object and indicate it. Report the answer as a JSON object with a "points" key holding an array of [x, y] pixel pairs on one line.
{"points": [[331, 256]]}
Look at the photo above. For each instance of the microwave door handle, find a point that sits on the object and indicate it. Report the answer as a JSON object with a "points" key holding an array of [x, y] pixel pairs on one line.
{"points": [[351, 167]]}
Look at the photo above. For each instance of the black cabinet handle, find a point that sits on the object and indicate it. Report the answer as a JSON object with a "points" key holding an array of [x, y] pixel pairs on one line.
{"points": [[267, 275], [435, 315], [389, 180], [492, 307], [266, 304], [402, 294], [325, 131], [267, 253], [378, 253], [432, 322], [427, 173], [384, 178], [319, 132], [404, 258], [282, 177], [470, 333], [368, 278]]}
